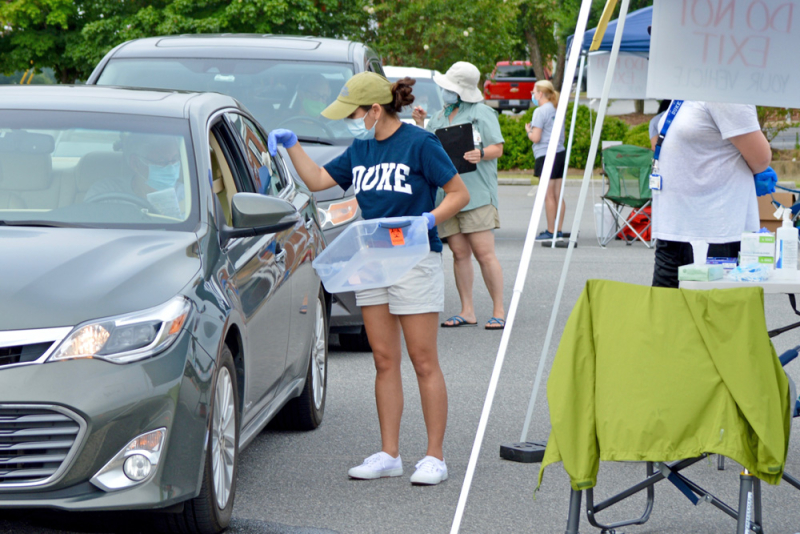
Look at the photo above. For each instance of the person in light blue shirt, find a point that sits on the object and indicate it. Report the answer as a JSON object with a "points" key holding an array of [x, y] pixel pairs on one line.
{"points": [[540, 130]]}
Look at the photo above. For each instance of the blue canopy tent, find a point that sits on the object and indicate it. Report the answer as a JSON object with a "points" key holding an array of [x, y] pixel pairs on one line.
{"points": [[634, 35]]}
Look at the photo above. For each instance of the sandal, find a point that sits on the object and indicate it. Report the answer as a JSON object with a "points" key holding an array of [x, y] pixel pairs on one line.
{"points": [[495, 323], [457, 320]]}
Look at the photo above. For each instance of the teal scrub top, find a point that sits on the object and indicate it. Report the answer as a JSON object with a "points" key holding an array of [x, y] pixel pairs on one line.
{"points": [[481, 183]]}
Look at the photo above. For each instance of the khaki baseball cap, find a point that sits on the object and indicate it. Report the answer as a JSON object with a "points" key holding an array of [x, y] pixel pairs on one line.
{"points": [[363, 89]]}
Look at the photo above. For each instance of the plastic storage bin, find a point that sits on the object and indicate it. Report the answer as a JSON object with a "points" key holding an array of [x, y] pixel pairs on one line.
{"points": [[373, 253]]}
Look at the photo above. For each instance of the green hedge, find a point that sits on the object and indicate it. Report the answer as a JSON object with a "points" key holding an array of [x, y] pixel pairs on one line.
{"points": [[638, 136], [518, 151]]}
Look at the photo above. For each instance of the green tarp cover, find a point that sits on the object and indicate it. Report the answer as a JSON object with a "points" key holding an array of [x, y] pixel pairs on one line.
{"points": [[660, 374]]}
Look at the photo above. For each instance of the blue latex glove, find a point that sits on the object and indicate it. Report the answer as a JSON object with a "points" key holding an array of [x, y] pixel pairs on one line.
{"points": [[431, 220], [765, 182], [285, 137]]}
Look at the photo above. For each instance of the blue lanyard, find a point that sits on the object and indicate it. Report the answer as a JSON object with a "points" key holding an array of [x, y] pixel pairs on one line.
{"points": [[674, 107]]}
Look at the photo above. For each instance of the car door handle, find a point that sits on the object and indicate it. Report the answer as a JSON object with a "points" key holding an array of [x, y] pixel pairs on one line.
{"points": [[280, 254]]}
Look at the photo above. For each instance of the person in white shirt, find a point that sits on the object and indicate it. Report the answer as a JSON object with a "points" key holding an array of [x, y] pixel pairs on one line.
{"points": [[708, 160]]}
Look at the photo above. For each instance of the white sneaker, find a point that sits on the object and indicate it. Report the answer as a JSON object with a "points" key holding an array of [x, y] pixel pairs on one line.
{"points": [[378, 465], [430, 471]]}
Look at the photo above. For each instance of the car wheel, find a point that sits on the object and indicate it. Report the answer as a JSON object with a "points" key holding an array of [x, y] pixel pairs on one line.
{"points": [[305, 412], [355, 342], [210, 512]]}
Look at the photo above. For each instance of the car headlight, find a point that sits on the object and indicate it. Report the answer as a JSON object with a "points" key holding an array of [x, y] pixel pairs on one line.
{"points": [[134, 464], [127, 338], [337, 213]]}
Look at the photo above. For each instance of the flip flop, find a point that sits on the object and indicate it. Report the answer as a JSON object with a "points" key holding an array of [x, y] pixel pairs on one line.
{"points": [[457, 320], [495, 323]]}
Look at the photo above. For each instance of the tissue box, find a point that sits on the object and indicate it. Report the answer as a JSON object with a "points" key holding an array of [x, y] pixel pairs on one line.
{"points": [[760, 244], [761, 259], [699, 272]]}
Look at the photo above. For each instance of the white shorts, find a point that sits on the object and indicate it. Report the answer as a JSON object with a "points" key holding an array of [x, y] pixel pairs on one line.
{"points": [[420, 290]]}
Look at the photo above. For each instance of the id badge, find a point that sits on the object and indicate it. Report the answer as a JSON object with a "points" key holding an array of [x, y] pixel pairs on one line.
{"points": [[655, 182]]}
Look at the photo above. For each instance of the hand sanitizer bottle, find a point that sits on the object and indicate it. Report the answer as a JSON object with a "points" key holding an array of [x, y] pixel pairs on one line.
{"points": [[786, 249]]}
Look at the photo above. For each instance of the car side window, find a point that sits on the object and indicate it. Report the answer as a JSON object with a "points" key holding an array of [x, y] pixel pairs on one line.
{"points": [[266, 173], [375, 66]]}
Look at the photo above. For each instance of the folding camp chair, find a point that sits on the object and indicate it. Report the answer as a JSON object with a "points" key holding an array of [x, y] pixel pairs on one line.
{"points": [[627, 170], [707, 380]]}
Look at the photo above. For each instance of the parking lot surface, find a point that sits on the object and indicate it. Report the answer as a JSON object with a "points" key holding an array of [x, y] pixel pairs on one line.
{"points": [[296, 483]]}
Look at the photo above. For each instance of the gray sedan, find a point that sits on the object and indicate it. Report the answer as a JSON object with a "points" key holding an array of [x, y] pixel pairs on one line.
{"points": [[157, 306]]}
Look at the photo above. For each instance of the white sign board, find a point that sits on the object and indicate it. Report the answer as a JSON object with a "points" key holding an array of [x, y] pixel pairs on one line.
{"points": [[726, 51], [630, 75]]}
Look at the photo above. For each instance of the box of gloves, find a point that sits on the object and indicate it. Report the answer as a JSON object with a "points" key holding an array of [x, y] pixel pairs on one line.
{"points": [[761, 244], [757, 248]]}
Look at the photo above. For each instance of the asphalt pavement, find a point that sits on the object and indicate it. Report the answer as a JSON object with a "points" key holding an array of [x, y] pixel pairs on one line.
{"points": [[296, 482]]}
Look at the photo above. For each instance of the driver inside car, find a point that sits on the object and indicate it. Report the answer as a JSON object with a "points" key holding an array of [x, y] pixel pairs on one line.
{"points": [[151, 171], [314, 95]]}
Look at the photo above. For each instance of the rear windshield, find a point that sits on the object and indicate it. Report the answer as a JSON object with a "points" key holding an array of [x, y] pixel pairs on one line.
{"points": [[514, 71], [101, 170], [279, 94]]}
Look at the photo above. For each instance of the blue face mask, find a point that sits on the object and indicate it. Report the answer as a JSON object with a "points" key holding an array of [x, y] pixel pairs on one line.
{"points": [[449, 97], [534, 101], [359, 130], [163, 177]]}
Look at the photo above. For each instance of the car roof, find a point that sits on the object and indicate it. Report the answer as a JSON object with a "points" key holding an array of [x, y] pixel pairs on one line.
{"points": [[107, 99], [412, 72], [240, 46]]}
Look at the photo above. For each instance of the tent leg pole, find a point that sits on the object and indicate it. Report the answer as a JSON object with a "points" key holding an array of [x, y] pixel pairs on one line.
{"points": [[575, 105], [576, 223]]}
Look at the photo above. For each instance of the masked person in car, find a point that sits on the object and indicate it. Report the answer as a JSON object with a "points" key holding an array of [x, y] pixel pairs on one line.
{"points": [[150, 173], [314, 95]]}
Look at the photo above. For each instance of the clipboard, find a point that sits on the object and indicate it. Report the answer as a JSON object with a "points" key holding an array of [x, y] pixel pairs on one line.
{"points": [[457, 140]]}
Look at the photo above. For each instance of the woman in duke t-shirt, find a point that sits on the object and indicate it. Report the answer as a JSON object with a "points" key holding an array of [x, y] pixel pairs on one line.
{"points": [[395, 169]]}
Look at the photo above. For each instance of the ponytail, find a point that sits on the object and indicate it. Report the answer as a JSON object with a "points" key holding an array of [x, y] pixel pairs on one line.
{"points": [[546, 88]]}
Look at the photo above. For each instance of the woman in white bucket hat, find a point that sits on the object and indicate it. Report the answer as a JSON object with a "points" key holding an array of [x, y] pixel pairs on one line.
{"points": [[470, 232]]}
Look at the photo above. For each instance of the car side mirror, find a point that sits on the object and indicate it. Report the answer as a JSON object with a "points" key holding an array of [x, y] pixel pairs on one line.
{"points": [[253, 214]]}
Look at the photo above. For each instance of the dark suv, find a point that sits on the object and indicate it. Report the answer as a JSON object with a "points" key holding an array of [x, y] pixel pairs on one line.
{"points": [[284, 81]]}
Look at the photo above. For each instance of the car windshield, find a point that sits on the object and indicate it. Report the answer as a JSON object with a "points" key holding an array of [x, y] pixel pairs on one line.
{"points": [[426, 94], [99, 170], [514, 71], [279, 94]]}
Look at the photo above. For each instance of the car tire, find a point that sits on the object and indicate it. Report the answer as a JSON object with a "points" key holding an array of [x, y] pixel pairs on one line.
{"points": [[210, 512], [355, 342], [305, 412]]}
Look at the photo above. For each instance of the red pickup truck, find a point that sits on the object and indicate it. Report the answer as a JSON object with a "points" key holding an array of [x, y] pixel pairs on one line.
{"points": [[510, 86]]}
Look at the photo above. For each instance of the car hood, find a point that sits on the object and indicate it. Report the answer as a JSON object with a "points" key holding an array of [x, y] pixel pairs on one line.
{"points": [[53, 277], [322, 154]]}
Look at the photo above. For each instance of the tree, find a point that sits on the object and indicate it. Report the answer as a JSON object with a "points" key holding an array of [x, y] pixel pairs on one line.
{"points": [[536, 24], [37, 34], [325, 18], [71, 36], [435, 34]]}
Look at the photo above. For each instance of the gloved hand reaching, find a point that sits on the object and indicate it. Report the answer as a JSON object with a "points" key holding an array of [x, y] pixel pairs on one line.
{"points": [[285, 137], [431, 220], [765, 182]]}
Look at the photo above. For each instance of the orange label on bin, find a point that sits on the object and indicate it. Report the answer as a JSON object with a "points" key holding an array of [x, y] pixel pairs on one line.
{"points": [[396, 235]]}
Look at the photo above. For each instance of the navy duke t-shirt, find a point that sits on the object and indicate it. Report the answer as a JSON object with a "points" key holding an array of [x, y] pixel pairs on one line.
{"points": [[396, 177]]}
